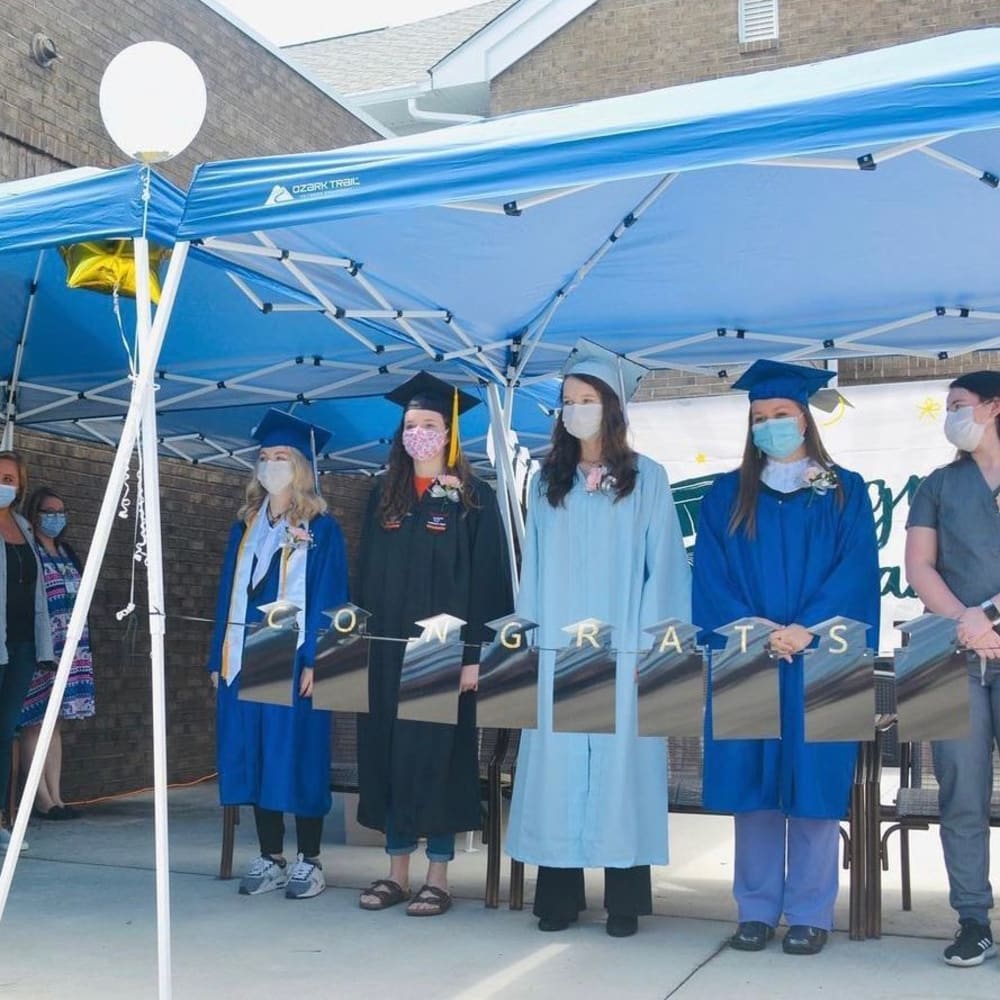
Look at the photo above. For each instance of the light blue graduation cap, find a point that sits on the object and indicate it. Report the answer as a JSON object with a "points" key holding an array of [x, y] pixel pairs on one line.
{"points": [[766, 379], [280, 428], [617, 372]]}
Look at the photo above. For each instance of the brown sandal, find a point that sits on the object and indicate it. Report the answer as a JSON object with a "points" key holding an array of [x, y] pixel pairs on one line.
{"points": [[436, 900], [387, 892]]}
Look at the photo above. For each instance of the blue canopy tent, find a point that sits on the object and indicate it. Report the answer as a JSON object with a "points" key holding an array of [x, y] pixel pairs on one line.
{"points": [[824, 211]]}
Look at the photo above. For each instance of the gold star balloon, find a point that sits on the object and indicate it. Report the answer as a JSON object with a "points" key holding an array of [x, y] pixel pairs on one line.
{"points": [[109, 265]]}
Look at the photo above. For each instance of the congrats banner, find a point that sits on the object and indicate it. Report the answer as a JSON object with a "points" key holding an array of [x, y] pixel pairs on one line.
{"points": [[892, 435]]}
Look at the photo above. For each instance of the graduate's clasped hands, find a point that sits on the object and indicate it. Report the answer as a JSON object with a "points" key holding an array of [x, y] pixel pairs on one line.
{"points": [[788, 641], [975, 632]]}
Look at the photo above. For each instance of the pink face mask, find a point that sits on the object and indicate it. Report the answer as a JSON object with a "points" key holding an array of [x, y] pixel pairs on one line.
{"points": [[423, 443]]}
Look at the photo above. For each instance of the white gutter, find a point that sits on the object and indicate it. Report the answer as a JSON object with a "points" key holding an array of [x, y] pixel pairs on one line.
{"points": [[419, 115]]}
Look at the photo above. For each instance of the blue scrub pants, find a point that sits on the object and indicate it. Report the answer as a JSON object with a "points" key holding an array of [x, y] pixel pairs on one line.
{"points": [[786, 865]]}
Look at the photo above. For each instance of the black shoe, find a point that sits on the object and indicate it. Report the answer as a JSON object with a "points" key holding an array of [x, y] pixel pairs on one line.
{"points": [[618, 926], [802, 940], [68, 812], [973, 944], [546, 924], [751, 935]]}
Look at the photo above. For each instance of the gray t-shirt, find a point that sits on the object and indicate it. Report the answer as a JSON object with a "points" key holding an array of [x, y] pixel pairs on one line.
{"points": [[957, 502]]}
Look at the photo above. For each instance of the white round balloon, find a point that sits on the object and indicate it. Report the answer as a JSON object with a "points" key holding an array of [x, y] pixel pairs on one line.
{"points": [[153, 101]]}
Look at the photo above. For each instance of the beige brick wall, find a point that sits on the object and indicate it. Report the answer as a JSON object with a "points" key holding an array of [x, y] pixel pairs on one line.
{"points": [[256, 103], [630, 46]]}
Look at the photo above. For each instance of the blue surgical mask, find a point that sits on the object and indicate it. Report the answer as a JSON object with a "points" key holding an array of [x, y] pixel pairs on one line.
{"points": [[8, 494], [52, 525], [779, 437]]}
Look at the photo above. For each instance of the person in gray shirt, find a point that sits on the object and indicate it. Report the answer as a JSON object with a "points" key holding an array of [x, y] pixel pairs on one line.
{"points": [[953, 563]]}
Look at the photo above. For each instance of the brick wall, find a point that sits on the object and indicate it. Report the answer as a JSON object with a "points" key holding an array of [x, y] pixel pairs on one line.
{"points": [[112, 752], [256, 103], [50, 119], [630, 46]]}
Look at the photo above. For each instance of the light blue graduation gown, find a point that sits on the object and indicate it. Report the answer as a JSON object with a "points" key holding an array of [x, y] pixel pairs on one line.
{"points": [[600, 800]]}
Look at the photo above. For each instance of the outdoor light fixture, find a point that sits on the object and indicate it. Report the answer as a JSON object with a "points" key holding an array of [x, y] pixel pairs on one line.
{"points": [[153, 101], [43, 50]]}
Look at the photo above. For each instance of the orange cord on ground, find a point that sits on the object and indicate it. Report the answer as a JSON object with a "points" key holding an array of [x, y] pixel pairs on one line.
{"points": [[140, 791]]}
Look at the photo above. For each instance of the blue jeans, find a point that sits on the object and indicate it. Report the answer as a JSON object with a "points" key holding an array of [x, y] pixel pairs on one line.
{"points": [[440, 847], [15, 678], [964, 770]]}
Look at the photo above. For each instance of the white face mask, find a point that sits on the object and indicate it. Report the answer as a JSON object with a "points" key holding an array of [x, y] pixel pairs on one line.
{"points": [[962, 430], [583, 420], [275, 475]]}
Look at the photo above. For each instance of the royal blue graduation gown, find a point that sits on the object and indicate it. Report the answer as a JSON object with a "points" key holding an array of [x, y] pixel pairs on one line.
{"points": [[274, 756], [812, 558]]}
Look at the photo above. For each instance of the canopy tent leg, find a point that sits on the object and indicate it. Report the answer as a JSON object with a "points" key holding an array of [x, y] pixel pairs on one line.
{"points": [[510, 508], [10, 415], [502, 442], [148, 443], [142, 396]]}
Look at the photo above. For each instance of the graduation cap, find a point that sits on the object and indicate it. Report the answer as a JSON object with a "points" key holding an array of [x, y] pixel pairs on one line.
{"points": [[426, 392], [766, 379], [280, 428], [620, 374]]}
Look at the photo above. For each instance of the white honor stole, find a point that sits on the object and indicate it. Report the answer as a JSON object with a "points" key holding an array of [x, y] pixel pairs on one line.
{"points": [[291, 588]]}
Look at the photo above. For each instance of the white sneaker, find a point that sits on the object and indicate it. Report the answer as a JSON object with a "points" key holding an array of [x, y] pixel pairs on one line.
{"points": [[306, 880], [264, 875], [5, 841]]}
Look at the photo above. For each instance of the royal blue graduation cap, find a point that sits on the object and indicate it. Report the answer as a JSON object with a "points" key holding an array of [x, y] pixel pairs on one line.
{"points": [[618, 372], [779, 380], [280, 428]]}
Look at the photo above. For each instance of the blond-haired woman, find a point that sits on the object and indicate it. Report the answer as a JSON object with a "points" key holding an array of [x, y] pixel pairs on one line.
{"points": [[284, 545]]}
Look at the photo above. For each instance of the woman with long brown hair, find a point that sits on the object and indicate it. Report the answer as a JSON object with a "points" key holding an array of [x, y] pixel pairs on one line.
{"points": [[602, 542], [788, 537], [432, 544]]}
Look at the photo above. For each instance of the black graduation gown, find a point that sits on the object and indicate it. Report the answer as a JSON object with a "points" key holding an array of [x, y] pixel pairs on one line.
{"points": [[429, 771]]}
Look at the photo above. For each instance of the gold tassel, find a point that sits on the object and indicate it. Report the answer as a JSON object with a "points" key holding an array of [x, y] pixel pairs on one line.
{"points": [[453, 447]]}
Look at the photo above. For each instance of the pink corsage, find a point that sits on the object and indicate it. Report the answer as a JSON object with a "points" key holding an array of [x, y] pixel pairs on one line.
{"points": [[819, 480], [599, 480], [447, 487], [297, 537]]}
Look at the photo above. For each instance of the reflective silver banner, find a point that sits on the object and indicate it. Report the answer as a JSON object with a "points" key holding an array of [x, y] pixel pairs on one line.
{"points": [[839, 678], [672, 682], [269, 655], [340, 678], [508, 677], [745, 683], [428, 686], [584, 689], [932, 696]]}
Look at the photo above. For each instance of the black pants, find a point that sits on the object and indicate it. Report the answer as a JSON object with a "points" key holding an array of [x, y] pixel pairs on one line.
{"points": [[271, 832], [560, 893]]}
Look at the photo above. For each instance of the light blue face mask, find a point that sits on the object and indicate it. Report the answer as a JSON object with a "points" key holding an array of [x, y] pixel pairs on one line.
{"points": [[52, 524], [8, 494], [779, 437]]}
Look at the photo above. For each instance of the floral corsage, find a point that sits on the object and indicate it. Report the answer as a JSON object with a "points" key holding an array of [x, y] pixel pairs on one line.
{"points": [[446, 488], [600, 480], [819, 480], [297, 537]]}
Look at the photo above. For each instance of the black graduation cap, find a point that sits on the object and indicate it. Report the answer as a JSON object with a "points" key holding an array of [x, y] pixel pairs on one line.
{"points": [[425, 392]]}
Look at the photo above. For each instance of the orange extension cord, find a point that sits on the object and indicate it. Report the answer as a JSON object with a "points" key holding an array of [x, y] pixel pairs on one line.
{"points": [[140, 791]]}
